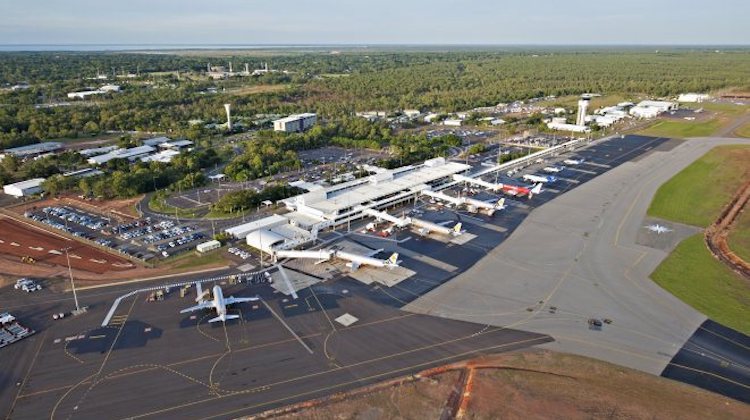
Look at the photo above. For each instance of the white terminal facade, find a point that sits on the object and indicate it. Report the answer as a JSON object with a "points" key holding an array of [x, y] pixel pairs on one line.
{"points": [[336, 205], [295, 123]]}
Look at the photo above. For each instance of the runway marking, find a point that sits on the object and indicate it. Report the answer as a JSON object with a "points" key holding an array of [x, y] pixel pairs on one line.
{"points": [[28, 373], [715, 375], [198, 327], [334, 386], [101, 367], [309, 350], [200, 358]]}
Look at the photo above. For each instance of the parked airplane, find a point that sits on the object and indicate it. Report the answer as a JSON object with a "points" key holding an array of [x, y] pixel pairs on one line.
{"points": [[219, 303], [356, 261], [553, 169], [425, 227], [511, 190], [539, 178], [471, 204], [517, 191], [574, 161]]}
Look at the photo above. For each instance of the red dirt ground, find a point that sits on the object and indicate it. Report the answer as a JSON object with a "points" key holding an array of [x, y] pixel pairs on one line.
{"points": [[21, 240]]}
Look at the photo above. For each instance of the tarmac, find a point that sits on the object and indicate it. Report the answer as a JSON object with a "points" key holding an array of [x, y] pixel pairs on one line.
{"points": [[577, 257], [153, 362]]}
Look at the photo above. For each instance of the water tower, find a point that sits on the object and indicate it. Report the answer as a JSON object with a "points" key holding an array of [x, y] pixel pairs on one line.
{"points": [[229, 116]]}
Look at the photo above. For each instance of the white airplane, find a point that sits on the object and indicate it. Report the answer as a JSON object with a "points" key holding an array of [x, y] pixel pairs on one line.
{"points": [[356, 260], [658, 229], [219, 303], [539, 178], [425, 227], [574, 161], [553, 169]]}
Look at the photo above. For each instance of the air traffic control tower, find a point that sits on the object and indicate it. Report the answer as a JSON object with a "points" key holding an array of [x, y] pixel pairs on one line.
{"points": [[583, 106]]}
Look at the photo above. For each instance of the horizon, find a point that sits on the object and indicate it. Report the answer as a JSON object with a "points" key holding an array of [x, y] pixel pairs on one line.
{"points": [[390, 22]]}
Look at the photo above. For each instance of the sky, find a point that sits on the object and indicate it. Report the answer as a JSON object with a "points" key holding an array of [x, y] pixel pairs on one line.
{"points": [[281, 22]]}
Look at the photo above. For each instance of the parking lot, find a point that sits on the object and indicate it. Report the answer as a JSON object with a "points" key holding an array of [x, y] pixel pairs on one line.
{"points": [[143, 238]]}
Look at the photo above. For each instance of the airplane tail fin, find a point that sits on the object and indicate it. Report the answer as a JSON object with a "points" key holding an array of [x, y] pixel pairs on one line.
{"points": [[224, 318], [457, 228], [501, 203], [536, 190], [393, 259]]}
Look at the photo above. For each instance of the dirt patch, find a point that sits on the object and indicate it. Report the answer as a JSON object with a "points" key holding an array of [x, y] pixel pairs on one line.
{"points": [[120, 210], [717, 233], [535, 384], [38, 247]]}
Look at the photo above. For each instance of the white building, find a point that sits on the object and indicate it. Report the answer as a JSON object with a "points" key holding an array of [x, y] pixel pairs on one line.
{"points": [[295, 123], [86, 93], [453, 122], [562, 126], [165, 156], [208, 246], [32, 150], [652, 109], [132, 154], [153, 142], [693, 97], [177, 145], [386, 187], [24, 188]]}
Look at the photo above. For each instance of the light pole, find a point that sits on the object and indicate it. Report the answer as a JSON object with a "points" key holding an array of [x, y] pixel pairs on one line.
{"points": [[72, 283]]}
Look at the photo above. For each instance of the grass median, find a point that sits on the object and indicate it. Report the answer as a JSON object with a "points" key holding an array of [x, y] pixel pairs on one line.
{"points": [[693, 275]]}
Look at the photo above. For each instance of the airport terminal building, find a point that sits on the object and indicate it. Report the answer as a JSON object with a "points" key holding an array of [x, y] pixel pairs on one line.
{"points": [[385, 187], [335, 205]]}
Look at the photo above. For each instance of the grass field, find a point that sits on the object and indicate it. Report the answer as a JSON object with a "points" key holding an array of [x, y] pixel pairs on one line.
{"points": [[682, 129], [692, 274], [743, 131], [696, 195], [256, 89], [739, 236], [158, 204], [191, 260]]}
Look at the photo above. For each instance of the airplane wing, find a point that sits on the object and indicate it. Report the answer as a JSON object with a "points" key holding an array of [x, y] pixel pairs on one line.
{"points": [[224, 318], [231, 300], [287, 281], [373, 252], [201, 306]]}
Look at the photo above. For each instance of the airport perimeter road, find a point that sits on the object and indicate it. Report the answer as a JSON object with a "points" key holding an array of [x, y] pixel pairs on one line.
{"points": [[576, 258]]}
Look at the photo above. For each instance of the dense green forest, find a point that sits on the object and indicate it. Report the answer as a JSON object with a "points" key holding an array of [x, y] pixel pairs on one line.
{"points": [[441, 81]]}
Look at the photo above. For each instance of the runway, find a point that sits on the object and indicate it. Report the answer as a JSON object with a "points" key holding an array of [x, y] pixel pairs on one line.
{"points": [[577, 258]]}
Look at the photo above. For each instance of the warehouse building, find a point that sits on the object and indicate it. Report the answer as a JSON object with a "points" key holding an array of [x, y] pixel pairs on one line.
{"points": [[24, 188], [295, 123], [652, 109], [132, 154], [693, 97], [31, 150]]}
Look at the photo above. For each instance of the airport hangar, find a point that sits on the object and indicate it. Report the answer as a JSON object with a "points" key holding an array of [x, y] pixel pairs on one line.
{"points": [[322, 208]]}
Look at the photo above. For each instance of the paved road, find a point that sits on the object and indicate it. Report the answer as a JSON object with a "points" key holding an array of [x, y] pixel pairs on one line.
{"points": [[575, 258]]}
